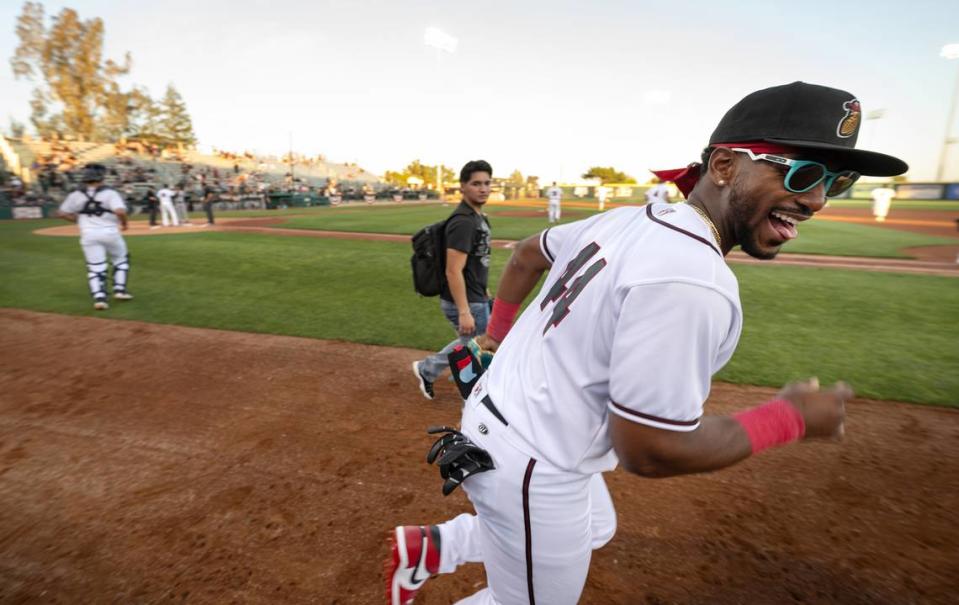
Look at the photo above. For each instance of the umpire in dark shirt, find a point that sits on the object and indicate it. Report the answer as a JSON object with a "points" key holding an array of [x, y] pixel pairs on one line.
{"points": [[465, 298], [210, 195], [152, 202]]}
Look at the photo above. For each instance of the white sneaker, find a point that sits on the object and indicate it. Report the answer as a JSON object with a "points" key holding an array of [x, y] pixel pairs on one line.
{"points": [[122, 296], [101, 305]]}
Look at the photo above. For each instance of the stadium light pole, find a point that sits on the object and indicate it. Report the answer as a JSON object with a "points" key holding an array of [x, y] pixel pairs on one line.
{"points": [[292, 180], [949, 51], [442, 42]]}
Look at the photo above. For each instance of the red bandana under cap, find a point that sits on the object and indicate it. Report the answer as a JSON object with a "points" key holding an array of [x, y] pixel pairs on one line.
{"points": [[686, 178]]}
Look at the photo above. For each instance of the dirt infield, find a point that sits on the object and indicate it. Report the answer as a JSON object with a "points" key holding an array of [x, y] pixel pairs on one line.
{"points": [[940, 223], [142, 463]]}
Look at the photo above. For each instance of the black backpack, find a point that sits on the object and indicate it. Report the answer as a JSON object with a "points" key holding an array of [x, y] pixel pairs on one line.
{"points": [[429, 259]]}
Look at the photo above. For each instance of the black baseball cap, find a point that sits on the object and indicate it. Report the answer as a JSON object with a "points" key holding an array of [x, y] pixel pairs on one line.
{"points": [[806, 116]]}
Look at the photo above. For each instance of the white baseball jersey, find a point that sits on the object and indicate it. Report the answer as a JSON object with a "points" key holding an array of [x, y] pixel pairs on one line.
{"points": [[602, 192], [638, 312], [166, 195], [100, 217], [554, 194], [883, 195]]}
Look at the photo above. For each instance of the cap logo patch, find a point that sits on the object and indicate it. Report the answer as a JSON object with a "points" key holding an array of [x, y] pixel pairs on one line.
{"points": [[849, 122]]}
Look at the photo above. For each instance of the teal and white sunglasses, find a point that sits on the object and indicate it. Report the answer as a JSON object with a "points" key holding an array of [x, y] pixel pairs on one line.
{"points": [[803, 175]]}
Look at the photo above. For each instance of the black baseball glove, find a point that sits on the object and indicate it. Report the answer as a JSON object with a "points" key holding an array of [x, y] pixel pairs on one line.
{"points": [[457, 456]]}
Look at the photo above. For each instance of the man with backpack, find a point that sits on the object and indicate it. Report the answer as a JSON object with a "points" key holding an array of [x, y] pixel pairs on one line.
{"points": [[464, 298], [101, 214]]}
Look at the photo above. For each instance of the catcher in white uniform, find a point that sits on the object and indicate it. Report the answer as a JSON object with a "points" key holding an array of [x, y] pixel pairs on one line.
{"points": [[100, 213], [578, 385]]}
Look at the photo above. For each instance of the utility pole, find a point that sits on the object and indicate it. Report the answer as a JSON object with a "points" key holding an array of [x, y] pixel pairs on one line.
{"points": [[949, 51], [292, 180]]}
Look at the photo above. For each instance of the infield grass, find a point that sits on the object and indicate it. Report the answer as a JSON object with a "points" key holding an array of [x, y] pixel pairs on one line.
{"points": [[892, 336]]}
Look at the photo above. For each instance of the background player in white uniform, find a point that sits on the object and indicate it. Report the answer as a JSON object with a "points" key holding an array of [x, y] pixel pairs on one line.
{"points": [[100, 213], [554, 196], [657, 193], [179, 202], [601, 194], [881, 201], [167, 210], [579, 384]]}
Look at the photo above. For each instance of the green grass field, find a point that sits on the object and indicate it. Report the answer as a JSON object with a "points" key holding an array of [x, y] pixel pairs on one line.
{"points": [[892, 336], [815, 237]]}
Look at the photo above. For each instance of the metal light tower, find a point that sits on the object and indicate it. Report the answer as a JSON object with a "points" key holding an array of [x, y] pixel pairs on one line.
{"points": [[292, 178], [442, 42], [949, 51]]}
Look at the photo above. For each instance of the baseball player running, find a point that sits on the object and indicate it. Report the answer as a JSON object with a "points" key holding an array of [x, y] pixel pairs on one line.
{"points": [[577, 386], [100, 213]]}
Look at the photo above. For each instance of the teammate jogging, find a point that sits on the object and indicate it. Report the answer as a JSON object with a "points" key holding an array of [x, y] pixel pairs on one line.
{"points": [[612, 362], [100, 213]]}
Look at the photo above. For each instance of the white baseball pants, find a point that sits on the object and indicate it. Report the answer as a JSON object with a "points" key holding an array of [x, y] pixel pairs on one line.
{"points": [[535, 528], [553, 211], [97, 246], [168, 214], [181, 212]]}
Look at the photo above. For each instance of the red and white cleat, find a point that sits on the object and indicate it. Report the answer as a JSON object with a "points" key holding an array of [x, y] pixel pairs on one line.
{"points": [[414, 557]]}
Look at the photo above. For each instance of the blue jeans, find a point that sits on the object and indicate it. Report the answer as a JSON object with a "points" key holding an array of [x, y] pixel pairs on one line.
{"points": [[434, 365]]}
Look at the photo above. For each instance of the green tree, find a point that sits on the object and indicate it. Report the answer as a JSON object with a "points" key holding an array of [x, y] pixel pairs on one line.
{"points": [[144, 117], [422, 171], [175, 123], [608, 174], [516, 178], [69, 58]]}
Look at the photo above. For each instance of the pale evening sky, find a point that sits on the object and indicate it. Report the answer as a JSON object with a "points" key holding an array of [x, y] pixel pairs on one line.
{"points": [[549, 88]]}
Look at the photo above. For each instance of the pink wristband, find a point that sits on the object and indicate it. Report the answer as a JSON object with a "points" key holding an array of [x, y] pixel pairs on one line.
{"points": [[774, 423], [501, 319]]}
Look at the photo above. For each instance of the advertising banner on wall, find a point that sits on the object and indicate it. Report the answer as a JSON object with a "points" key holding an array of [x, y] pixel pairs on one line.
{"points": [[27, 212], [917, 191]]}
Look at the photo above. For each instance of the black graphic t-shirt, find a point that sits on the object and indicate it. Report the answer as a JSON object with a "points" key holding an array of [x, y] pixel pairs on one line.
{"points": [[469, 232]]}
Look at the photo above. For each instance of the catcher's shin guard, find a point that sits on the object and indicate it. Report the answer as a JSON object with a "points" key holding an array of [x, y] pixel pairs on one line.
{"points": [[121, 270], [97, 280]]}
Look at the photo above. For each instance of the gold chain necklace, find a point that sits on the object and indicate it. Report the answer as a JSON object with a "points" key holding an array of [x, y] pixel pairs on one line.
{"points": [[709, 223]]}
